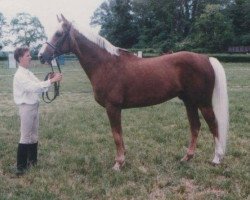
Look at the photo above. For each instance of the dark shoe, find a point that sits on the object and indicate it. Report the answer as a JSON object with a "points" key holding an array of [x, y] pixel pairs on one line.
{"points": [[22, 156], [17, 172], [20, 172], [32, 154]]}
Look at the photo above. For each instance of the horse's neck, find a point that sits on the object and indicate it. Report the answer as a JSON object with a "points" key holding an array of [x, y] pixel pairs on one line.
{"points": [[91, 56]]}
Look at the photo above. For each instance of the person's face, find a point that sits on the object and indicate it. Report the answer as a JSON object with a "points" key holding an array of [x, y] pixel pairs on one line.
{"points": [[25, 59]]}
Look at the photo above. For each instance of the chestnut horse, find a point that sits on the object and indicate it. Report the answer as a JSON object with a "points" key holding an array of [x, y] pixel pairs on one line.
{"points": [[121, 80]]}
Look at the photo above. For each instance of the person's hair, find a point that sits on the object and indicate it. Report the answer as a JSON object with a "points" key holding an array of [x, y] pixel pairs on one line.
{"points": [[19, 52]]}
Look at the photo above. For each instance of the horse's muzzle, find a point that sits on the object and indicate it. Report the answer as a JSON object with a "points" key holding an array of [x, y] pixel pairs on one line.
{"points": [[43, 59]]}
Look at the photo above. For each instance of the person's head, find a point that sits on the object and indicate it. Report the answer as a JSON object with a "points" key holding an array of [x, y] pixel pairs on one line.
{"points": [[22, 56]]}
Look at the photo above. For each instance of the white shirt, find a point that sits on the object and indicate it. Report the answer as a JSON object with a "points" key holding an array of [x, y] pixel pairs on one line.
{"points": [[27, 87]]}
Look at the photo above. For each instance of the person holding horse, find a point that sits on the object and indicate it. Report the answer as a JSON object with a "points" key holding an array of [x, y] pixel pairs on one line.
{"points": [[26, 90]]}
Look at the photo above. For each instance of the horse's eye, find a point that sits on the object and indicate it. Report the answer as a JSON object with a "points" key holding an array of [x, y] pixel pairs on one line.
{"points": [[58, 34]]}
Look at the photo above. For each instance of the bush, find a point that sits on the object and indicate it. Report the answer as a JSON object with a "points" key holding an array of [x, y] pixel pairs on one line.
{"points": [[232, 57], [3, 56], [149, 52]]}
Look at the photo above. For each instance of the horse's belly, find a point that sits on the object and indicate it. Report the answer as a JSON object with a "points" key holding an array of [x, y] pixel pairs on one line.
{"points": [[144, 103], [147, 97]]}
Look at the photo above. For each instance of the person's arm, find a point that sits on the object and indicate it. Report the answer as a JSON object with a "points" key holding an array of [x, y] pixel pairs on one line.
{"points": [[37, 86]]}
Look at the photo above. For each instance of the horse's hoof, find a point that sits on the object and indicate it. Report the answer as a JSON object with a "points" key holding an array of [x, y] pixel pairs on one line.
{"points": [[216, 162], [118, 166], [217, 159], [187, 157]]}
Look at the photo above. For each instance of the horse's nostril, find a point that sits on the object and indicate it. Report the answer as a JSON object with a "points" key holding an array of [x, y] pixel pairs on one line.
{"points": [[40, 57]]}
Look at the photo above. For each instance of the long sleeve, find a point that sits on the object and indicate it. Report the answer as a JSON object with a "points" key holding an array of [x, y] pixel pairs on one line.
{"points": [[32, 84], [27, 87]]}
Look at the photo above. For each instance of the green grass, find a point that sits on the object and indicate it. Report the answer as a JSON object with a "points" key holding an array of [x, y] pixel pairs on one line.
{"points": [[76, 148]]}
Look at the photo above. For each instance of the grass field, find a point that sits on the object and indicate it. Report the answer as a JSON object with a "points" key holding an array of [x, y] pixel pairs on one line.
{"points": [[76, 148]]}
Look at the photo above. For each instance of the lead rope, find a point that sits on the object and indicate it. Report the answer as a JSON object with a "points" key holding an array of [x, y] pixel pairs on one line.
{"points": [[48, 99]]}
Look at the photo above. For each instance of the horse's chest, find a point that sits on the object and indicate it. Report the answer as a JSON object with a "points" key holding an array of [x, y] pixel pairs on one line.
{"points": [[100, 95]]}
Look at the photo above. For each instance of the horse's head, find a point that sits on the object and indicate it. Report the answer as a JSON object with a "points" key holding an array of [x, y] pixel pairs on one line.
{"points": [[59, 43]]}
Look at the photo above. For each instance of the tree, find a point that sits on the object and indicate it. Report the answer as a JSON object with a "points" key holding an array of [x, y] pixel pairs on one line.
{"points": [[154, 23], [169, 24], [27, 30], [239, 12], [2, 24], [213, 31], [116, 22]]}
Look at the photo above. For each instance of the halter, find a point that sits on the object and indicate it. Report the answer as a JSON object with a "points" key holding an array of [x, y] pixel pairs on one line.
{"points": [[57, 50], [59, 44]]}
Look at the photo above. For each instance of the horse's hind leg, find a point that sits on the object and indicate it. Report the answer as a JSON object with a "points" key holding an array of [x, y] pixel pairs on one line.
{"points": [[209, 117], [114, 115], [193, 117]]}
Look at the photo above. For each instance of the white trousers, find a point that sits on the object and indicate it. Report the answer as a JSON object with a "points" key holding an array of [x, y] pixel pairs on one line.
{"points": [[29, 123]]}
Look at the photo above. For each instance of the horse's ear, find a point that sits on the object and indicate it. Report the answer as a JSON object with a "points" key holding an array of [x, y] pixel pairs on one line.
{"points": [[64, 19], [58, 18]]}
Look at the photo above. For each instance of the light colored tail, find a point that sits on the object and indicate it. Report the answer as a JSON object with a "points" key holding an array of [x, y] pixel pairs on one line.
{"points": [[220, 107]]}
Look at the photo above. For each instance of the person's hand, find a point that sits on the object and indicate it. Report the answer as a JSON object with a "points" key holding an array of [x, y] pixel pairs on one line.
{"points": [[51, 75], [56, 77]]}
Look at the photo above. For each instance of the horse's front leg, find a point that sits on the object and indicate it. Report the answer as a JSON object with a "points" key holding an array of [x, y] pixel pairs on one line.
{"points": [[114, 115]]}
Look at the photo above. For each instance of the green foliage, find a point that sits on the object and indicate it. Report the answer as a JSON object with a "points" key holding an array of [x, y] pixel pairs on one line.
{"points": [[117, 24], [207, 25], [3, 56], [212, 29], [236, 58], [240, 14], [27, 30], [3, 32], [2, 24]]}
